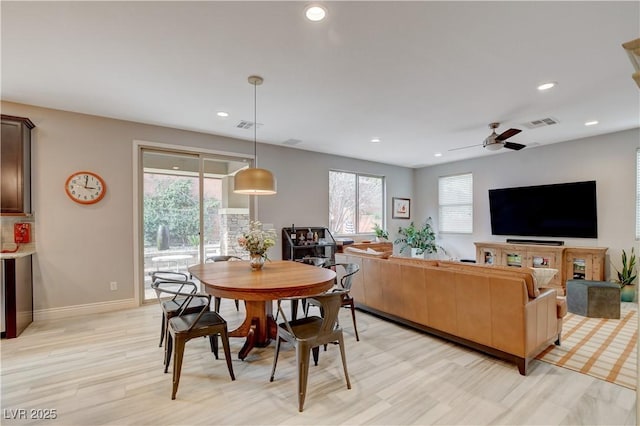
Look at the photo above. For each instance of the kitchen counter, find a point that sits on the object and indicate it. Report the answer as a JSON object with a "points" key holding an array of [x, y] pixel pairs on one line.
{"points": [[24, 250]]}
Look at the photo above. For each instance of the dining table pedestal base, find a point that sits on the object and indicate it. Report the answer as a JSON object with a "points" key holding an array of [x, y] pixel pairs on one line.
{"points": [[258, 327]]}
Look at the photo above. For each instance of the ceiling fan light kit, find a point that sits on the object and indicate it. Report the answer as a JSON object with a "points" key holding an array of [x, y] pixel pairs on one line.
{"points": [[492, 146], [255, 181], [495, 141]]}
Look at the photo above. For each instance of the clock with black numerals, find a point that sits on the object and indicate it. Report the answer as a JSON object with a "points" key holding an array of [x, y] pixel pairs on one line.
{"points": [[85, 187]]}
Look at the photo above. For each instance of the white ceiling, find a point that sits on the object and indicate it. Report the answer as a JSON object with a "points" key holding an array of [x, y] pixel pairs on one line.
{"points": [[425, 77]]}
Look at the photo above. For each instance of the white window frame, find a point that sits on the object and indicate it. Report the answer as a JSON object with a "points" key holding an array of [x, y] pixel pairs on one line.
{"points": [[454, 202], [357, 203]]}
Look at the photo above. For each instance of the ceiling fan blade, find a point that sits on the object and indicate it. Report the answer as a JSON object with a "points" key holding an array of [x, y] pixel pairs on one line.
{"points": [[514, 146], [464, 147], [507, 134]]}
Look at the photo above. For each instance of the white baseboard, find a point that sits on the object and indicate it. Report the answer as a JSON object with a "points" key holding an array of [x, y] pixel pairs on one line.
{"points": [[78, 310]]}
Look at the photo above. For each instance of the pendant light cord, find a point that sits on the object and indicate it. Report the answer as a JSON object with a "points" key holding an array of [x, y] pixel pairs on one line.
{"points": [[255, 125]]}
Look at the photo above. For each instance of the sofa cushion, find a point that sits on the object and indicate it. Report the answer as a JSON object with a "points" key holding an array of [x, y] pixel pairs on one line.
{"points": [[524, 273], [543, 276], [369, 252], [418, 261]]}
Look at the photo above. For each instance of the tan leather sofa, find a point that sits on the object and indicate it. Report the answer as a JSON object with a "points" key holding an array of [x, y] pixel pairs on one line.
{"points": [[378, 247], [497, 310]]}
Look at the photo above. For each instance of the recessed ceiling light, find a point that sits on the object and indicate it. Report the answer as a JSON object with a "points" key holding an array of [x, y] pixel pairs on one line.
{"points": [[591, 123], [437, 154], [315, 13], [176, 168], [375, 140], [222, 114], [546, 86]]}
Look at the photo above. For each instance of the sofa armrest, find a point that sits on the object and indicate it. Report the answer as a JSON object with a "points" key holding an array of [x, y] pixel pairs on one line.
{"points": [[542, 321], [561, 306]]}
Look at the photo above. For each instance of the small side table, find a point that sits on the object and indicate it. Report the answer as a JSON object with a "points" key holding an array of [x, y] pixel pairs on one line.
{"points": [[593, 299]]}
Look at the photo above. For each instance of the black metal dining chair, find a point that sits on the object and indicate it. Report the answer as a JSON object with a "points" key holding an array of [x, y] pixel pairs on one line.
{"points": [[184, 326], [171, 306], [348, 270], [307, 334]]}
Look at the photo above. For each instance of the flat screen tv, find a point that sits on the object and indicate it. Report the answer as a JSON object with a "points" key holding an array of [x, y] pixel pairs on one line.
{"points": [[559, 210]]}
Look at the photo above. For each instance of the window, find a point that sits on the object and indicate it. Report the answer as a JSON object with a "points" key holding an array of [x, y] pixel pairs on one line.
{"points": [[356, 202], [638, 194], [455, 199]]}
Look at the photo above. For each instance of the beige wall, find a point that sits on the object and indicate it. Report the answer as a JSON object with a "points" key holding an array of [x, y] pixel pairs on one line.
{"points": [[81, 249]]}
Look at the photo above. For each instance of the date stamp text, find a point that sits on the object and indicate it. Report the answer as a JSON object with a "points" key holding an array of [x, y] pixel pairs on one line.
{"points": [[29, 413]]}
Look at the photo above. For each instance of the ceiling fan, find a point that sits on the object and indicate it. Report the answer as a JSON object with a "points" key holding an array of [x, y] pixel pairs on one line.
{"points": [[495, 141]]}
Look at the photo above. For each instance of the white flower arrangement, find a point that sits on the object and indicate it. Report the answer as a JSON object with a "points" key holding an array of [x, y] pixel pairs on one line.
{"points": [[256, 240]]}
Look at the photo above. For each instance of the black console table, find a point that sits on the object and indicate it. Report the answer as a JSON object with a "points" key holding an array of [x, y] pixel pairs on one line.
{"points": [[308, 242]]}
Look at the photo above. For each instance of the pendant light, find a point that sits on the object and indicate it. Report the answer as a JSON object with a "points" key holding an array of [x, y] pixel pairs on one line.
{"points": [[255, 181]]}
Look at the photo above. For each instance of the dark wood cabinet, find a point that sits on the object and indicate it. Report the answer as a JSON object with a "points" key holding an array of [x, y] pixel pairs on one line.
{"points": [[310, 242], [17, 295], [15, 165]]}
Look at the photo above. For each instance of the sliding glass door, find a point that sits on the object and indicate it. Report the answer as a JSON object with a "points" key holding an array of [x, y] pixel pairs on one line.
{"points": [[189, 211]]}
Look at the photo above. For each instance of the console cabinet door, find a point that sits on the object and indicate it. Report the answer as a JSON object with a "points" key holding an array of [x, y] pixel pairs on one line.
{"points": [[585, 266], [488, 256], [547, 259]]}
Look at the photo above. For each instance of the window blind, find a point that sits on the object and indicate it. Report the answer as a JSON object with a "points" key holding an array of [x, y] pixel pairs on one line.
{"points": [[455, 200]]}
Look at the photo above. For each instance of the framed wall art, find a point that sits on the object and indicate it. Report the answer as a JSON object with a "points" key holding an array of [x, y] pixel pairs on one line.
{"points": [[401, 208]]}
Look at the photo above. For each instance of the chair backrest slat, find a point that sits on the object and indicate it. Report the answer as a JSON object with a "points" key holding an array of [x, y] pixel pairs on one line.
{"points": [[162, 287], [350, 269], [330, 304]]}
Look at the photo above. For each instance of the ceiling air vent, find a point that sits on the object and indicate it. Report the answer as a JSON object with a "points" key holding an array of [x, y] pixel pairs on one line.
{"points": [[245, 124], [548, 121], [292, 142]]}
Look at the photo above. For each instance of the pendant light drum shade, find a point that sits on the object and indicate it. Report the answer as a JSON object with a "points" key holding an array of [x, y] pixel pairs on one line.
{"points": [[255, 181]]}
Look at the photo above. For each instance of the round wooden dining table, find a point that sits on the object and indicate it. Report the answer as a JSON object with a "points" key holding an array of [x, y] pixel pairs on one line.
{"points": [[278, 279]]}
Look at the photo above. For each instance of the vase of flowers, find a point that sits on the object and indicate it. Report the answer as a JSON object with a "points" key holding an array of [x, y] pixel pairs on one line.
{"points": [[256, 261], [256, 241]]}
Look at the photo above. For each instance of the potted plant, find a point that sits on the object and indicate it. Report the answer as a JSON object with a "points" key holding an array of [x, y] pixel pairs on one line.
{"points": [[420, 240], [627, 276], [381, 234]]}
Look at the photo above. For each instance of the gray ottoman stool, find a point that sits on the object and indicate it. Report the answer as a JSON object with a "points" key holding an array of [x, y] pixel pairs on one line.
{"points": [[594, 299]]}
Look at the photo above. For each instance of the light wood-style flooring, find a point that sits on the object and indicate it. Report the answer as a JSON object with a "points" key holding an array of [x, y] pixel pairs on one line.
{"points": [[107, 369]]}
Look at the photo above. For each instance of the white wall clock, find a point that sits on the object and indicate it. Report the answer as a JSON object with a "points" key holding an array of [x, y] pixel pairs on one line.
{"points": [[85, 187]]}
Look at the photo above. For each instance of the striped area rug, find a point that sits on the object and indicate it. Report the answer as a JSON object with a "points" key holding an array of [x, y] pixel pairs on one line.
{"points": [[602, 348]]}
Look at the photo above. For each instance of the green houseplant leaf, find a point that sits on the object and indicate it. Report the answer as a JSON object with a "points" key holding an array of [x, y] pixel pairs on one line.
{"points": [[628, 274], [380, 233], [422, 238]]}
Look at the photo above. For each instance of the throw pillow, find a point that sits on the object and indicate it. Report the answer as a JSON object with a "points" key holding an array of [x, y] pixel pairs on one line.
{"points": [[543, 276]]}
